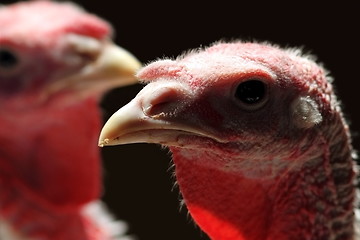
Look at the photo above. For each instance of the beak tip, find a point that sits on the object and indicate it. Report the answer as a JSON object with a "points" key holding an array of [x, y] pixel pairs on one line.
{"points": [[103, 142]]}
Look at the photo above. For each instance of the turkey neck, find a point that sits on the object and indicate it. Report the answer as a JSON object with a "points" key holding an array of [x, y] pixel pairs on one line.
{"points": [[50, 145], [50, 166], [312, 202]]}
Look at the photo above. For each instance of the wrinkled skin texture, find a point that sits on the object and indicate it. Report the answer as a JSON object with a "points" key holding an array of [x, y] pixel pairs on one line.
{"points": [[273, 162], [51, 79]]}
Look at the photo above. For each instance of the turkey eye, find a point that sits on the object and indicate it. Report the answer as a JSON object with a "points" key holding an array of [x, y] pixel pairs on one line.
{"points": [[251, 93], [8, 59]]}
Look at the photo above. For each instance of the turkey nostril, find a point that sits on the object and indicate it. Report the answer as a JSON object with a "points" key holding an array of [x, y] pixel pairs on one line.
{"points": [[161, 102], [158, 110]]}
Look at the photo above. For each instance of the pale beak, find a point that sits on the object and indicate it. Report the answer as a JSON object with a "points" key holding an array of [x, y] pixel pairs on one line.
{"points": [[113, 67], [154, 116], [126, 120], [131, 125], [136, 122]]}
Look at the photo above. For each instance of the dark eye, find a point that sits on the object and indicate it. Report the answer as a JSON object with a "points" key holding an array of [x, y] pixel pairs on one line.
{"points": [[8, 59], [251, 93]]}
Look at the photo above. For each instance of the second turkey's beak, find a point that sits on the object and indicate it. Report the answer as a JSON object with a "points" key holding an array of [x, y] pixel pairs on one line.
{"points": [[114, 65], [108, 66], [155, 115]]}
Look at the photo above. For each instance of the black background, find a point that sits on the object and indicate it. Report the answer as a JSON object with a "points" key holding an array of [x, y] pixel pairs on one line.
{"points": [[138, 182]]}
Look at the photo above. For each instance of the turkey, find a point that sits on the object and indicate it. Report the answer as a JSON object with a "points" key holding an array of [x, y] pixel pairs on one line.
{"points": [[259, 142], [56, 62]]}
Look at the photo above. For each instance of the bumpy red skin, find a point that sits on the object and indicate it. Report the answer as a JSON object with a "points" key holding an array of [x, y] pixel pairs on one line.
{"points": [[315, 202], [49, 160], [270, 178]]}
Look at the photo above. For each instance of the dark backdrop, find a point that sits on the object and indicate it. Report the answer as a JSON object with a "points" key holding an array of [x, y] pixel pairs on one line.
{"points": [[138, 182]]}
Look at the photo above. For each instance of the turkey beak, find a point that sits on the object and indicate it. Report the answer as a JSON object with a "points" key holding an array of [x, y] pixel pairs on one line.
{"points": [[125, 126], [108, 66], [153, 116], [138, 121], [114, 65]]}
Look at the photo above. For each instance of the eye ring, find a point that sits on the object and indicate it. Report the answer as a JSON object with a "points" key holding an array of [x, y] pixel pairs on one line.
{"points": [[251, 94]]}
